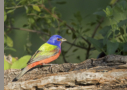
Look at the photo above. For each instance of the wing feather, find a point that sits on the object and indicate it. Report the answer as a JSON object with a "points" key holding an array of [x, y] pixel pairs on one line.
{"points": [[33, 56], [40, 55]]}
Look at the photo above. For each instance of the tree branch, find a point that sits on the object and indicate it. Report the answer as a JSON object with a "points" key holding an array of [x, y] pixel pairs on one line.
{"points": [[107, 73], [95, 30], [40, 32], [71, 45], [76, 45], [29, 30], [64, 59], [55, 16]]}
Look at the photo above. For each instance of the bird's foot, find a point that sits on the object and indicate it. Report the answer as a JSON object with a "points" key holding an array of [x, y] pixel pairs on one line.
{"points": [[51, 65]]}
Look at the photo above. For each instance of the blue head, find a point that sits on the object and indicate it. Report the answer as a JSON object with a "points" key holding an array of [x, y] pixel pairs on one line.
{"points": [[56, 40]]}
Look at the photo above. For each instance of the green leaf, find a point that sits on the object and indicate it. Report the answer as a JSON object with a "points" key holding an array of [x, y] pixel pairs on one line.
{"points": [[75, 50], [27, 9], [53, 10], [10, 11], [120, 39], [100, 13], [25, 25], [14, 59], [68, 31], [35, 7], [31, 20], [21, 63], [12, 49], [28, 50], [105, 31], [105, 40], [111, 34], [96, 43], [121, 46], [86, 30], [78, 16], [49, 21], [91, 23], [63, 23], [109, 11], [73, 23], [5, 16], [125, 47], [123, 5], [74, 36], [9, 41], [118, 9], [123, 22], [112, 47], [7, 65], [121, 31], [28, 44], [113, 2]]}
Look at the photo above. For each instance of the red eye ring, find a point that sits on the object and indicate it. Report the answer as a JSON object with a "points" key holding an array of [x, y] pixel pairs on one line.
{"points": [[58, 39]]}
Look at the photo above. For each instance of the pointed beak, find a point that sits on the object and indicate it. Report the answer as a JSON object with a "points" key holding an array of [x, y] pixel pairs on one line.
{"points": [[63, 39]]}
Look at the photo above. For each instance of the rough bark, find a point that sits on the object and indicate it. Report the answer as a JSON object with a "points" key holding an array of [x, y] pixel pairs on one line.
{"points": [[107, 73]]}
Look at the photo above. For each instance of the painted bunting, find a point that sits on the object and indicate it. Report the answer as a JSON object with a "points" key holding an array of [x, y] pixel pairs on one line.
{"points": [[47, 53]]}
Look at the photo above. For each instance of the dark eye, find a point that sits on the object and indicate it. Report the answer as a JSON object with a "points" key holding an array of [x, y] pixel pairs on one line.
{"points": [[58, 39]]}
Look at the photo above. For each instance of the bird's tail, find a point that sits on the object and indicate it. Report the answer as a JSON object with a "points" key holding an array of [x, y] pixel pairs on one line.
{"points": [[21, 73]]}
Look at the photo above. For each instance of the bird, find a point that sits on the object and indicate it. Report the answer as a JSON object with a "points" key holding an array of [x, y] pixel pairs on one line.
{"points": [[47, 53]]}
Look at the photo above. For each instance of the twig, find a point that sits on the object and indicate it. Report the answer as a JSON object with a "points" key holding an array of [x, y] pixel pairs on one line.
{"points": [[85, 40], [55, 16], [76, 45], [29, 30], [71, 45], [40, 32], [14, 7], [72, 29], [64, 59], [95, 30]]}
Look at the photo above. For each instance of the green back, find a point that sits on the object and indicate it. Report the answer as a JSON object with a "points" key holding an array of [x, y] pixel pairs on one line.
{"points": [[47, 47]]}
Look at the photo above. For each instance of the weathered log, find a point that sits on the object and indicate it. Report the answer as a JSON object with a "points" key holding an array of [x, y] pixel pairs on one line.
{"points": [[107, 73]]}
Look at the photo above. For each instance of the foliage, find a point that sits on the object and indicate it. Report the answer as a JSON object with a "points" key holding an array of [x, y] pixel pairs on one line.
{"points": [[44, 19], [7, 65], [23, 61], [114, 36], [8, 43], [14, 63]]}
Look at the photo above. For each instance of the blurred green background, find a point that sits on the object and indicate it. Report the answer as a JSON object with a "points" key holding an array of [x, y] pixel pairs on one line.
{"points": [[82, 15]]}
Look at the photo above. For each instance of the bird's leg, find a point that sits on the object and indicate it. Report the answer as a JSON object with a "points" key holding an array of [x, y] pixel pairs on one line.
{"points": [[50, 65], [50, 68]]}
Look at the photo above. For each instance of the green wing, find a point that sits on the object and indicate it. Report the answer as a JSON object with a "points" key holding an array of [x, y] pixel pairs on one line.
{"points": [[45, 51]]}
